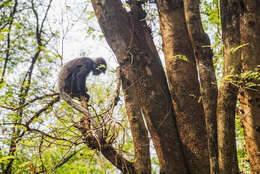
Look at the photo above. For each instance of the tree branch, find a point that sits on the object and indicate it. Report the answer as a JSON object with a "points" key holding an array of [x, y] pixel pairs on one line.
{"points": [[10, 22]]}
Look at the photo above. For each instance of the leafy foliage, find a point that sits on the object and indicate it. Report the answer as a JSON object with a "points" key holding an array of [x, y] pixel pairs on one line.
{"points": [[37, 131]]}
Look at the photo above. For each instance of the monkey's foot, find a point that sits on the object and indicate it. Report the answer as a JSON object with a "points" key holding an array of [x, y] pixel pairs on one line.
{"points": [[84, 102]]}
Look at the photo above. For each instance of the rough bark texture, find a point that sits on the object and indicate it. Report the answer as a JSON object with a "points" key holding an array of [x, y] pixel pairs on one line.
{"points": [[203, 54], [116, 159], [130, 39], [250, 98], [227, 98], [142, 160], [183, 80]]}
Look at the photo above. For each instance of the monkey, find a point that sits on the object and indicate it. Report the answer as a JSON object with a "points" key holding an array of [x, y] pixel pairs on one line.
{"points": [[72, 77]]}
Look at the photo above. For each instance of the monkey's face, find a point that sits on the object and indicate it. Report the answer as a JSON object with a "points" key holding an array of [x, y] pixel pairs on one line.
{"points": [[99, 69], [100, 66]]}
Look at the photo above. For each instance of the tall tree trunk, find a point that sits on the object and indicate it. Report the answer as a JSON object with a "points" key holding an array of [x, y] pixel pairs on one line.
{"points": [[250, 97], [142, 160], [129, 37], [203, 54], [227, 98], [183, 80]]}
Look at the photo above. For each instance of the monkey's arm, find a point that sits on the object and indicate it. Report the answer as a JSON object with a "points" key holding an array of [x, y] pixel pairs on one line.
{"points": [[81, 82]]}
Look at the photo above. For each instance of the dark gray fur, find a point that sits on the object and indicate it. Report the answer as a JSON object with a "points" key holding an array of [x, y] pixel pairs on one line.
{"points": [[72, 77]]}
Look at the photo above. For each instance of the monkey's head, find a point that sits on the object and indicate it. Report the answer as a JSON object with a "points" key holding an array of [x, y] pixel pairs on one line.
{"points": [[100, 66]]}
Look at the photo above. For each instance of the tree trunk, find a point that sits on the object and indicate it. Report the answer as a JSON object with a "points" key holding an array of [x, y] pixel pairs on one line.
{"points": [[203, 54], [227, 98], [250, 96], [142, 160], [183, 80], [130, 39]]}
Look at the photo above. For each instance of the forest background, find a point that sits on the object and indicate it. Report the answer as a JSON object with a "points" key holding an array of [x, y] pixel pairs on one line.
{"points": [[185, 98]]}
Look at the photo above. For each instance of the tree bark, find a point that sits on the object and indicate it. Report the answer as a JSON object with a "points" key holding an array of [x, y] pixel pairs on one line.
{"points": [[142, 160], [227, 99], [130, 39], [203, 54], [250, 97], [183, 80]]}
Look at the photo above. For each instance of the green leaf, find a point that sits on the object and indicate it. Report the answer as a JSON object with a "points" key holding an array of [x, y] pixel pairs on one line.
{"points": [[3, 84], [233, 50], [181, 57], [6, 158], [18, 25], [91, 16], [1, 36]]}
